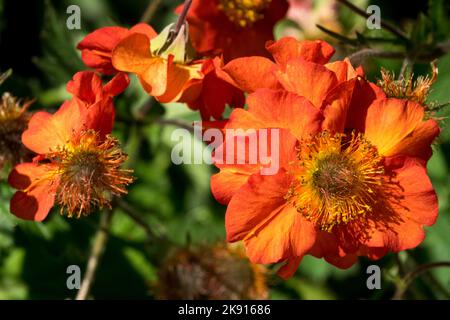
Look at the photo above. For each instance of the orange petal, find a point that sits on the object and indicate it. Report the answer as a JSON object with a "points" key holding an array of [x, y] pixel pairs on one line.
{"points": [[336, 105], [287, 235], [364, 94], [38, 188], [256, 202], [289, 48], [132, 54], [391, 123], [272, 230], [86, 86], [415, 205], [117, 84], [234, 175], [145, 29], [281, 109], [178, 79], [328, 246], [154, 79], [310, 80], [228, 181], [419, 201], [343, 70], [97, 48], [289, 268], [46, 132], [250, 73]]}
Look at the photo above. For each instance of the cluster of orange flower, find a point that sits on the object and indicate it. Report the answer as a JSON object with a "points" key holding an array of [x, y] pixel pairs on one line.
{"points": [[352, 179]]}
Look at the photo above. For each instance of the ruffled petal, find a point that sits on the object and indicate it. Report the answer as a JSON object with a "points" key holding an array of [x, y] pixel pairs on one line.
{"points": [[310, 80], [396, 127], [288, 48], [46, 132], [37, 185]]}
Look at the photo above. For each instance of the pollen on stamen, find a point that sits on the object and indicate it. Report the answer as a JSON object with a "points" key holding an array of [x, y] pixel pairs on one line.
{"points": [[91, 173], [244, 13], [406, 87], [338, 179]]}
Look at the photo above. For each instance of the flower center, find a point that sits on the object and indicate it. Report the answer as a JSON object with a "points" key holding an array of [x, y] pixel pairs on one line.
{"points": [[90, 174], [244, 13], [338, 179]]}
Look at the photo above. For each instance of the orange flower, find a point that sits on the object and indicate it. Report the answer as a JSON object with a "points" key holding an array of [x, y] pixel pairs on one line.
{"points": [[294, 60], [347, 186], [161, 64], [234, 28], [96, 48], [303, 68], [78, 163]]}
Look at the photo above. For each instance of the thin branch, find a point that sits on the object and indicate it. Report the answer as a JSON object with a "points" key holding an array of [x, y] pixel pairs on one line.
{"points": [[358, 57], [5, 75], [136, 217], [181, 21], [338, 36], [182, 18], [150, 11], [176, 123], [101, 238], [388, 26], [404, 284]]}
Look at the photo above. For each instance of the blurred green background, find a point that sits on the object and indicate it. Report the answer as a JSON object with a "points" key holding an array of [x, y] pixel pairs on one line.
{"points": [[176, 201]]}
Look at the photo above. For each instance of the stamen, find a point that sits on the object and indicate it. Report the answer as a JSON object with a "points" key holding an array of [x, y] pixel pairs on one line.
{"points": [[338, 179], [90, 174], [244, 13]]}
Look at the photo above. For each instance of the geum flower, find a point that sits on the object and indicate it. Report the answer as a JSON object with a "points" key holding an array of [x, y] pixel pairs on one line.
{"points": [[78, 164], [301, 67], [97, 47], [346, 187], [166, 72], [233, 28]]}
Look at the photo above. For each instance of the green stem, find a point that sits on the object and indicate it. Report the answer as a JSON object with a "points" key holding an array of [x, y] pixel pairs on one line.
{"points": [[409, 278], [101, 238]]}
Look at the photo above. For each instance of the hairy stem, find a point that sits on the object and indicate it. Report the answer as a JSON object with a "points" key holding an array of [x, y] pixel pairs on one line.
{"points": [[409, 278], [101, 238], [151, 10]]}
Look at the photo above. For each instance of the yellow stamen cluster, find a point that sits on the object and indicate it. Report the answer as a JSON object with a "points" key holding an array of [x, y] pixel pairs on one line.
{"points": [[90, 174], [406, 87], [244, 13], [338, 179]]}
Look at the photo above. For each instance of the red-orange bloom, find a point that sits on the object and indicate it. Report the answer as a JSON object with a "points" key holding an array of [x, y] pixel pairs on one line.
{"points": [[352, 180], [78, 163], [165, 72], [96, 48], [303, 68], [162, 66], [234, 28], [293, 60]]}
